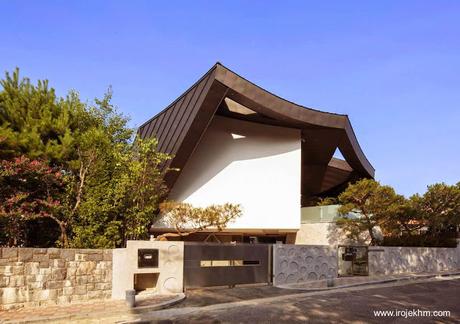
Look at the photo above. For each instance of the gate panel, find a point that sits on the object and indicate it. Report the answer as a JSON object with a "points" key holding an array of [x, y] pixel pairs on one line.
{"points": [[353, 260], [209, 264]]}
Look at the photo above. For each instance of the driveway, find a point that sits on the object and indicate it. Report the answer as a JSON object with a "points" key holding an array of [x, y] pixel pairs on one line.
{"points": [[353, 305]]}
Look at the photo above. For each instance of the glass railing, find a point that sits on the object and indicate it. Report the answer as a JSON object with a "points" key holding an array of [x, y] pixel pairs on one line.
{"points": [[319, 214]]}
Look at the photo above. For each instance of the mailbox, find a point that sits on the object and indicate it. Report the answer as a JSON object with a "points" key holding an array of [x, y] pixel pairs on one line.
{"points": [[147, 258]]}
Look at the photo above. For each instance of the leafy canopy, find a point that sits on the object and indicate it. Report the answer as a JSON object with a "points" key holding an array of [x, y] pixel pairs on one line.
{"points": [[111, 184]]}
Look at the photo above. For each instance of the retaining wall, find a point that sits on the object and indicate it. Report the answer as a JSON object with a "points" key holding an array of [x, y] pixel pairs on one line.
{"points": [[300, 263], [393, 260], [36, 277]]}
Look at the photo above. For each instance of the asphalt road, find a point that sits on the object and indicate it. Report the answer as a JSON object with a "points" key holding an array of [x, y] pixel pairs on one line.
{"points": [[352, 306]]}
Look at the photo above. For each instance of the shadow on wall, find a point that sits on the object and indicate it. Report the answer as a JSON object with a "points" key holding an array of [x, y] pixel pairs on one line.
{"points": [[230, 140], [394, 260], [336, 236]]}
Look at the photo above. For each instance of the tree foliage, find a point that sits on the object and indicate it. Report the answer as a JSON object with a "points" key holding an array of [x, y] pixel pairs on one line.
{"points": [[418, 220], [111, 184], [376, 204], [34, 121], [28, 190], [122, 201], [186, 219]]}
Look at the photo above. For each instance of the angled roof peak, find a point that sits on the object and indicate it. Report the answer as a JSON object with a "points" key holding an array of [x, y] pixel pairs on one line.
{"points": [[180, 126]]}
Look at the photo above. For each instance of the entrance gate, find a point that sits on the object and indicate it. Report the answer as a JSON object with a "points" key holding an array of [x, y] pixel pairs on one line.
{"points": [[353, 260], [217, 264]]}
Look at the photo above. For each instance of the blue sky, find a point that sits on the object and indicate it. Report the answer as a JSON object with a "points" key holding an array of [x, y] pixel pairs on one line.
{"points": [[392, 66]]}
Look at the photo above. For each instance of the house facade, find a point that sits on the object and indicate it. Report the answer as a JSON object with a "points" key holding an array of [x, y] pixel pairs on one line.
{"points": [[235, 142]]}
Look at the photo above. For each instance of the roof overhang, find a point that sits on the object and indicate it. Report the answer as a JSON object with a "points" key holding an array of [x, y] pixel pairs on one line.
{"points": [[180, 126]]}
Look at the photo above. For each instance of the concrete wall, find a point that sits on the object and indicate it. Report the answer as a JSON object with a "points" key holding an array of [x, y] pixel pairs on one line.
{"points": [[318, 228], [300, 263], [170, 267], [36, 277], [394, 260], [255, 165]]}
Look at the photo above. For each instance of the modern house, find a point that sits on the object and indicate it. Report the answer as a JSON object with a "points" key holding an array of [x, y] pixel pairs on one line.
{"points": [[235, 142]]}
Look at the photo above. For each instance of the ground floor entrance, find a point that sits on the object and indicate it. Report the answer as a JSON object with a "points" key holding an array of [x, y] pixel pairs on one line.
{"points": [[353, 260]]}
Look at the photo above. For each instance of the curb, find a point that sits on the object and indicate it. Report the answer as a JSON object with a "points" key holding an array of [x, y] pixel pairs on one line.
{"points": [[168, 313], [91, 316], [141, 309], [376, 282]]}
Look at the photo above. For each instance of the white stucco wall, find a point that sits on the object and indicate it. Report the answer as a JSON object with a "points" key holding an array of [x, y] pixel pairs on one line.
{"points": [[170, 268], [255, 165]]}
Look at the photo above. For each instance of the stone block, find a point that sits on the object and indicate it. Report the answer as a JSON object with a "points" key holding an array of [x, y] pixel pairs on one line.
{"points": [[103, 286], [36, 285], [62, 300], [57, 263], [58, 273], [9, 295], [68, 291], [40, 257], [9, 253], [78, 298], [69, 283], [17, 281], [4, 282], [80, 257], [107, 255], [4, 262], [44, 294], [18, 270], [40, 251], [55, 284], [72, 264], [95, 257], [81, 280], [96, 294], [25, 254], [54, 253], [71, 272], [44, 264], [80, 290], [32, 268], [86, 267], [6, 270], [68, 254], [44, 271]]}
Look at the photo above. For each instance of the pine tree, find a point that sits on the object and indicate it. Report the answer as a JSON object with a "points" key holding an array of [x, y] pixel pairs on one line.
{"points": [[34, 122]]}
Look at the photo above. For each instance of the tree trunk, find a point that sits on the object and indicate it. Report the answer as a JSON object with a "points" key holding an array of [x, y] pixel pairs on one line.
{"points": [[371, 234], [64, 238]]}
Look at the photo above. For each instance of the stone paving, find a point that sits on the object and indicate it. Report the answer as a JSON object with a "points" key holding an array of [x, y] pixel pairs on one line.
{"points": [[352, 305], [95, 311]]}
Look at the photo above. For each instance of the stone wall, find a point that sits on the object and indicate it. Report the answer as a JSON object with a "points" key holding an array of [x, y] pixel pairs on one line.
{"points": [[300, 263], [384, 260], [36, 277]]}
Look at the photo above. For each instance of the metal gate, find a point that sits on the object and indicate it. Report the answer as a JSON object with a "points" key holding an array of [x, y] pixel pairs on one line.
{"points": [[217, 264], [353, 260]]}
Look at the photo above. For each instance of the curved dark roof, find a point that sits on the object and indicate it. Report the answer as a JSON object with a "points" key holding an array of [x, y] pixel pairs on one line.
{"points": [[179, 126]]}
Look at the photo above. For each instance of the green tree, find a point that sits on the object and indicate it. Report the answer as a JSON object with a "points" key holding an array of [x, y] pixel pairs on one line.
{"points": [[124, 202], [371, 204], [438, 209], [34, 122], [28, 190], [102, 200], [186, 219]]}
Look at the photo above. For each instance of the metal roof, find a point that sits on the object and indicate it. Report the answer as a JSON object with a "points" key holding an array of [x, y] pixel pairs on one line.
{"points": [[180, 126]]}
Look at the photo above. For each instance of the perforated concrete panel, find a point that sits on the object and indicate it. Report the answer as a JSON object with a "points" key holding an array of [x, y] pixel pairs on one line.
{"points": [[300, 263]]}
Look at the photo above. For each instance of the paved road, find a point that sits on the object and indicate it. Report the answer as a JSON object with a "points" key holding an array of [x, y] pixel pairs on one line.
{"points": [[351, 306]]}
